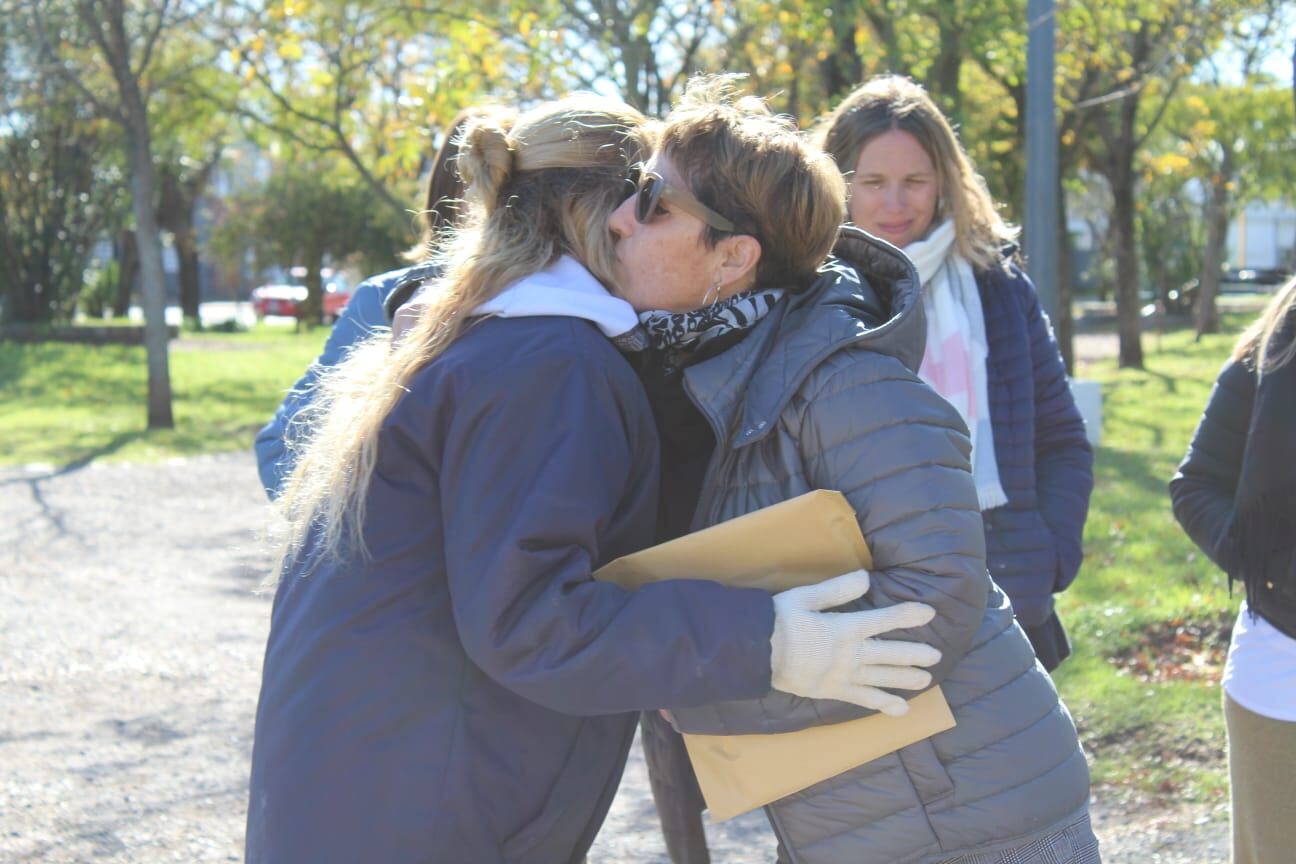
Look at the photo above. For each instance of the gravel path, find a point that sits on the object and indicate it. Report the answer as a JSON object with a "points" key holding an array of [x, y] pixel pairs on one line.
{"points": [[130, 650]]}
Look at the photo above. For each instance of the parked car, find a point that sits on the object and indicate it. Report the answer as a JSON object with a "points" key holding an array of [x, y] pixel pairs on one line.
{"points": [[287, 300], [278, 300], [1255, 275]]}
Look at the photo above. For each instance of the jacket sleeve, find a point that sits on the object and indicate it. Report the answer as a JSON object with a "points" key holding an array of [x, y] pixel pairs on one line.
{"points": [[900, 454], [362, 315], [1063, 456], [1202, 489], [538, 463]]}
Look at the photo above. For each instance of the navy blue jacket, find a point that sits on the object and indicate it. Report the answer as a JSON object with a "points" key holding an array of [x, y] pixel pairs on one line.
{"points": [[465, 695], [1033, 543]]}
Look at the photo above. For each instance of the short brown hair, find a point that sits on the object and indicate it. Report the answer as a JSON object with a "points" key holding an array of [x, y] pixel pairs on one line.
{"points": [[757, 170], [890, 102]]}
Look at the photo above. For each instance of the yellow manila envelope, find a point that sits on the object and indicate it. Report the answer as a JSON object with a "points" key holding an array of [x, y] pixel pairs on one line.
{"points": [[797, 542]]}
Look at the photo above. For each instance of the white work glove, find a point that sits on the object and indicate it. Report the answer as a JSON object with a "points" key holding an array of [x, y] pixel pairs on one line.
{"points": [[833, 655]]}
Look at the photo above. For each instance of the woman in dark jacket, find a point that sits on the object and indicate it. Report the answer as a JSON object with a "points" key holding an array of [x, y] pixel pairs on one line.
{"points": [[443, 680], [990, 349], [1235, 495], [772, 378]]}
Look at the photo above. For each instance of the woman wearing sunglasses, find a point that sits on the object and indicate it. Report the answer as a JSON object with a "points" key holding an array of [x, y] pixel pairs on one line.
{"points": [[774, 375], [443, 680]]}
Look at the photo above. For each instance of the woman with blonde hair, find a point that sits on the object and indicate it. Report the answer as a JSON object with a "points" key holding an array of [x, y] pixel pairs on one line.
{"points": [[778, 373], [1235, 496], [443, 680], [990, 348]]}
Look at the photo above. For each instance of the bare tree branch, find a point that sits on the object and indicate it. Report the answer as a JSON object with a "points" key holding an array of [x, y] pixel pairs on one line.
{"points": [[151, 38], [51, 61]]}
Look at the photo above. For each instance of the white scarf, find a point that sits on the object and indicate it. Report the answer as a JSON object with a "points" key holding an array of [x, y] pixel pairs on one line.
{"points": [[954, 363]]}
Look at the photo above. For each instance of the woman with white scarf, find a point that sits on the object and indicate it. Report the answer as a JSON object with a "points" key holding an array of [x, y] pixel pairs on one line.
{"points": [[990, 348]]}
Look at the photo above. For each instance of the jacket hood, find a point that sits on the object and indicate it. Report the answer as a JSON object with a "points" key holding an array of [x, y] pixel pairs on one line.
{"points": [[565, 288], [867, 295], [874, 288]]}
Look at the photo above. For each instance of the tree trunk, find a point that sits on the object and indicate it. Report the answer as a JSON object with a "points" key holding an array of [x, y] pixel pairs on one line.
{"points": [[1012, 173], [943, 77], [1205, 310], [1064, 325], [312, 312], [842, 69], [1127, 283], [187, 250], [153, 287], [42, 282], [176, 201], [126, 251], [882, 18], [633, 61]]}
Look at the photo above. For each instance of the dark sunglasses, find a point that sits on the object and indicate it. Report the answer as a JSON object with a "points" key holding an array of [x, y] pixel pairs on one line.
{"points": [[652, 188]]}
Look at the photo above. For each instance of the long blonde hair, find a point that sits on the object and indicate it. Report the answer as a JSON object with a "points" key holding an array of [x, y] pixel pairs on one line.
{"points": [[890, 102], [1257, 342], [540, 189]]}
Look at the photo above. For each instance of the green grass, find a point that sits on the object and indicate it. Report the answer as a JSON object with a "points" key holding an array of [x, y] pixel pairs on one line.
{"points": [[1149, 737], [66, 404]]}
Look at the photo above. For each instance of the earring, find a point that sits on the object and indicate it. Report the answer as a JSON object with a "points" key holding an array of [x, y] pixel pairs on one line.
{"points": [[712, 294]]}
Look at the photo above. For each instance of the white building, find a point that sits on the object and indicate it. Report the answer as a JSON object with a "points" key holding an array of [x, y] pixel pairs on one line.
{"points": [[1264, 236]]}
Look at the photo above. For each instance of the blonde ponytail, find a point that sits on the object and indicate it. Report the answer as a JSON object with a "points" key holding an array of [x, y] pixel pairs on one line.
{"points": [[486, 159]]}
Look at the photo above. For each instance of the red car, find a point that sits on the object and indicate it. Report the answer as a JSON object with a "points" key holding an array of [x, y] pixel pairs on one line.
{"points": [[285, 300], [278, 300]]}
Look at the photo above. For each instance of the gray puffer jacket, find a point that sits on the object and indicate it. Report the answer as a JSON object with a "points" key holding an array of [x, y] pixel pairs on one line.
{"points": [[822, 394]]}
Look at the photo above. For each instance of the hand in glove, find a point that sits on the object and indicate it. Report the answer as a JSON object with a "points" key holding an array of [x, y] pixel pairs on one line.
{"points": [[833, 655]]}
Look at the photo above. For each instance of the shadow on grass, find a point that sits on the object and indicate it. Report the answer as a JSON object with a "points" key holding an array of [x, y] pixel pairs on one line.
{"points": [[1171, 383], [76, 464], [1134, 467]]}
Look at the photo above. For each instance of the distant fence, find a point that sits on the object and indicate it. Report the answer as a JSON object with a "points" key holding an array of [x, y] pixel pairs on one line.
{"points": [[127, 335]]}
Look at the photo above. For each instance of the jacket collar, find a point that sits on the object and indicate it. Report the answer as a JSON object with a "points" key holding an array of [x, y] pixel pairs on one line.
{"points": [[867, 295]]}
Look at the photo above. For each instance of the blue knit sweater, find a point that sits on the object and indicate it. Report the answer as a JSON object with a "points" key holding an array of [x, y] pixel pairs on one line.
{"points": [[1033, 544]]}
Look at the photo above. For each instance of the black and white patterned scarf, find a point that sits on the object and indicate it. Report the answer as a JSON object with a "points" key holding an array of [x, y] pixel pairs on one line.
{"points": [[685, 332]]}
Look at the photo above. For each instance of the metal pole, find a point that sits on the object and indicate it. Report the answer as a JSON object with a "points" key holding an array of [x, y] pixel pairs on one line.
{"points": [[1041, 154]]}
